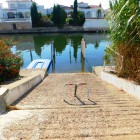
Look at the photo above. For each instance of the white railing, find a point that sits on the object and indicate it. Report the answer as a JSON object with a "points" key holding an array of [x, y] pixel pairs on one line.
{"points": [[15, 19]]}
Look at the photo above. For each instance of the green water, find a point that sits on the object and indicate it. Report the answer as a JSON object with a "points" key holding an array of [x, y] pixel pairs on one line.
{"points": [[67, 50]]}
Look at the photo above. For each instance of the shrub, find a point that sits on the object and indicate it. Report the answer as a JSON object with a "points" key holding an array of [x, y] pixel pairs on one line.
{"points": [[80, 18], [69, 21], [9, 63], [46, 22], [124, 19]]}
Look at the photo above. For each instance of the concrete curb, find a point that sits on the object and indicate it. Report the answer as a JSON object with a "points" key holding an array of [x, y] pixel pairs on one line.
{"points": [[127, 86], [16, 91], [3, 93], [12, 92]]}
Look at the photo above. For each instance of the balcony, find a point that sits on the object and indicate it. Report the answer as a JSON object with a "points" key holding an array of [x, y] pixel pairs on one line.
{"points": [[15, 20]]}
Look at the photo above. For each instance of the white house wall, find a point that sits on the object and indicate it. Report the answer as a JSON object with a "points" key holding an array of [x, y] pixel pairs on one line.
{"points": [[41, 9], [1, 15], [92, 12], [96, 23], [19, 5]]}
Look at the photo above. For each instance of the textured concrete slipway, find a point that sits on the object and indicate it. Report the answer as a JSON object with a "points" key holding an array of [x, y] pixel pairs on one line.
{"points": [[51, 111]]}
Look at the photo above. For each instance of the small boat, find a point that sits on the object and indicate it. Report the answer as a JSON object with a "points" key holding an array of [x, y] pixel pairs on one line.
{"points": [[39, 64]]}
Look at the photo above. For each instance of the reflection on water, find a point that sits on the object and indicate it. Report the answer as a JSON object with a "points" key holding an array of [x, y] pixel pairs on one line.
{"points": [[66, 49]]}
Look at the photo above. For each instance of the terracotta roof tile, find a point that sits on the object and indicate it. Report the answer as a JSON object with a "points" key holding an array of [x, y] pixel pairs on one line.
{"points": [[94, 6]]}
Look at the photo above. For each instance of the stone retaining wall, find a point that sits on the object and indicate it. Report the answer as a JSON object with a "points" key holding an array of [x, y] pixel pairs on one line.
{"points": [[54, 30], [8, 26]]}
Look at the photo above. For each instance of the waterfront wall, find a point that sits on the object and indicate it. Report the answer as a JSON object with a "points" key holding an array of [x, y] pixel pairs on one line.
{"points": [[54, 30], [11, 26], [96, 24]]}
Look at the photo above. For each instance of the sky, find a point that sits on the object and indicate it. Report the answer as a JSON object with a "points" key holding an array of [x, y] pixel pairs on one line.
{"points": [[50, 3]]}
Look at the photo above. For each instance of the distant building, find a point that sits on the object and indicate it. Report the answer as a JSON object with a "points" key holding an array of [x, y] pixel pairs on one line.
{"points": [[94, 15], [41, 9], [67, 9], [1, 6], [17, 15], [17, 10], [90, 11]]}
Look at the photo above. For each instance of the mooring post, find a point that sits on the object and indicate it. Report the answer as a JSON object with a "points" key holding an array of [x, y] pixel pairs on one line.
{"points": [[52, 50], [30, 49], [53, 56], [70, 49], [75, 90], [83, 47], [82, 64]]}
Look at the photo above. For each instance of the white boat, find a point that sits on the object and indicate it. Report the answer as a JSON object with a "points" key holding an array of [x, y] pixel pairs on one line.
{"points": [[39, 64]]}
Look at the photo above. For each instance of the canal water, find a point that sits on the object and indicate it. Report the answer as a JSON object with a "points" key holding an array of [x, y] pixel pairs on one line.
{"points": [[67, 50]]}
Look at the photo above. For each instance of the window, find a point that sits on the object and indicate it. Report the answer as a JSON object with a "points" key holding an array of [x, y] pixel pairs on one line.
{"points": [[27, 15], [20, 15], [12, 5], [88, 14], [11, 15], [22, 5]]}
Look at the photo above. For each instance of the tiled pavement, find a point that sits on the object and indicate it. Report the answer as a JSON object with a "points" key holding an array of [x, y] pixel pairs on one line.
{"points": [[99, 111]]}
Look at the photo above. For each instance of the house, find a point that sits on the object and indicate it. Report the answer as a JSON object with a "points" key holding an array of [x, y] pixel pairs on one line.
{"points": [[67, 9], [16, 16], [94, 15], [18, 10], [90, 11]]}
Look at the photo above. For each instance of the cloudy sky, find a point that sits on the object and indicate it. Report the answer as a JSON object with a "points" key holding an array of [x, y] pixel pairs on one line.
{"points": [[50, 3]]}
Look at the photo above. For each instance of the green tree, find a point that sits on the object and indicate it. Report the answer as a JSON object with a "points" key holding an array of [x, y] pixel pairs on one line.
{"points": [[99, 12], [35, 16], [81, 18], [75, 13], [58, 16], [124, 20]]}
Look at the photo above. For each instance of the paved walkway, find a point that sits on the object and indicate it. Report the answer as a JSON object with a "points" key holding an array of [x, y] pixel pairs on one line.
{"points": [[98, 111]]}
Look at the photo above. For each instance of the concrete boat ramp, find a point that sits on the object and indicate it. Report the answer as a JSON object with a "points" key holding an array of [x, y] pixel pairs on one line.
{"points": [[99, 111]]}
